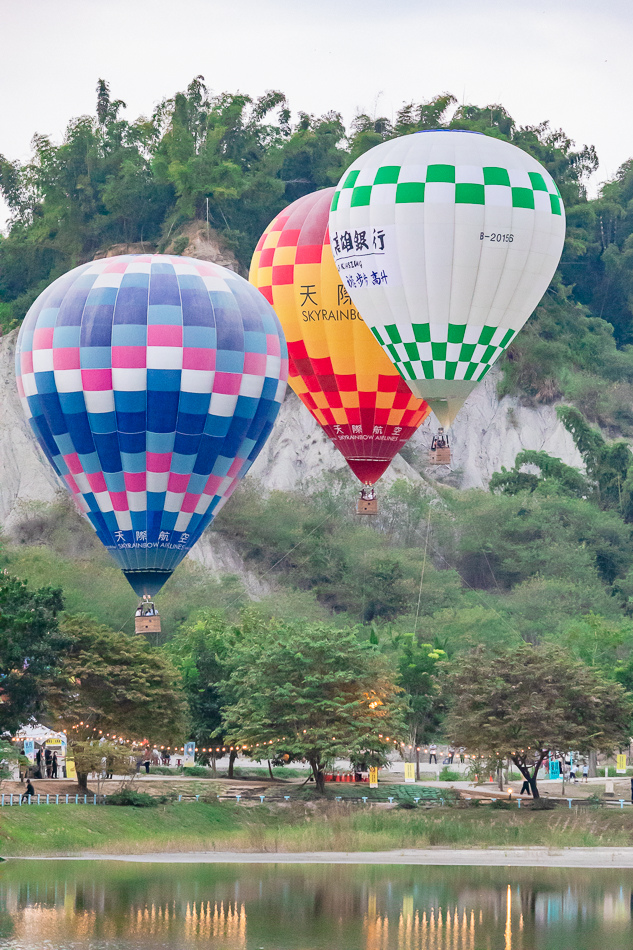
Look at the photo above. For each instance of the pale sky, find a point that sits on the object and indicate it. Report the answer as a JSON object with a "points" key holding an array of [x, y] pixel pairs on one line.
{"points": [[568, 61]]}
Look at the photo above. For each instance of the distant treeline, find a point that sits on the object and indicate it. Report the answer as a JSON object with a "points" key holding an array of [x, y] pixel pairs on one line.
{"points": [[115, 181]]}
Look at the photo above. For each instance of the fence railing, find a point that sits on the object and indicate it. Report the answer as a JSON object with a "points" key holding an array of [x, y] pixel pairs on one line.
{"points": [[15, 798], [9, 799]]}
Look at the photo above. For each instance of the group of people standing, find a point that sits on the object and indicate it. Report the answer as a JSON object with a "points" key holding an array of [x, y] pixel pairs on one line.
{"points": [[46, 764], [450, 755]]}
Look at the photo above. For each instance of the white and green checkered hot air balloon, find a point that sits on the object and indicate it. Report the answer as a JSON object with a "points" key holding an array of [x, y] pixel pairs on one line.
{"points": [[446, 241]]}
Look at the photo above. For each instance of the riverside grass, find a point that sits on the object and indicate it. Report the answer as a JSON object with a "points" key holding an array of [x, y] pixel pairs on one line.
{"points": [[201, 826]]}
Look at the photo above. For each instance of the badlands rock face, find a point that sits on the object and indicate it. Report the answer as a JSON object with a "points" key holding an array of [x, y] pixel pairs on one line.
{"points": [[25, 475], [487, 434]]}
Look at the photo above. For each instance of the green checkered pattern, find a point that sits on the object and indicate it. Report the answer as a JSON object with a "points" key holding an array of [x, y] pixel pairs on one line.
{"points": [[468, 352], [412, 192]]}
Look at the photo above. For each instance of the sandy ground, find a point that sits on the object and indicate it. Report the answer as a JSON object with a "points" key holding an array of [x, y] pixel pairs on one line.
{"points": [[512, 857]]}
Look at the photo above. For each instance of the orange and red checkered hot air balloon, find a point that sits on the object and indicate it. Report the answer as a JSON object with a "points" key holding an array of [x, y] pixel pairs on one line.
{"points": [[336, 367]]}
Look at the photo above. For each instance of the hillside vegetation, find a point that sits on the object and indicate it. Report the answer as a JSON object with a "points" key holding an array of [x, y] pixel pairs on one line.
{"points": [[545, 556], [540, 557], [116, 181]]}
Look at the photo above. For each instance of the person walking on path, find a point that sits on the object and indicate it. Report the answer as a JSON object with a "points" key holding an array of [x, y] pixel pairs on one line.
{"points": [[30, 791], [54, 765], [632, 790], [525, 788], [585, 773], [432, 753]]}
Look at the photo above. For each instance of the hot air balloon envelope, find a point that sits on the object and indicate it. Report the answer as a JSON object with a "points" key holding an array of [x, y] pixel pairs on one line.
{"points": [[446, 241], [151, 384], [336, 367]]}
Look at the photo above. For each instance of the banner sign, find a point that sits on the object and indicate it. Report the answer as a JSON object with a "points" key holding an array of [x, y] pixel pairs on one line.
{"points": [[70, 769], [29, 749], [554, 769], [190, 751], [621, 765], [409, 772], [373, 778]]}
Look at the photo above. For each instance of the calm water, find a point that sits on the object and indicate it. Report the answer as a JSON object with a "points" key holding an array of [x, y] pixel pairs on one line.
{"points": [[91, 906]]}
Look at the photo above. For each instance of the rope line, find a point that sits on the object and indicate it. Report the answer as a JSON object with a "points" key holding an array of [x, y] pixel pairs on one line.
{"points": [[426, 546]]}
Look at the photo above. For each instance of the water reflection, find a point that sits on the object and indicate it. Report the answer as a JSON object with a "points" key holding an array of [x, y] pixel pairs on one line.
{"points": [[81, 905]]}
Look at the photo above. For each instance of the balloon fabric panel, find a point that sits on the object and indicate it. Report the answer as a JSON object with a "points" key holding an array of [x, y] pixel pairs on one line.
{"points": [[151, 384], [335, 367], [447, 241]]}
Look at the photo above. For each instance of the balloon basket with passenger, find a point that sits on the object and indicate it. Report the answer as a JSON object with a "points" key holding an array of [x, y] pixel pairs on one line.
{"points": [[367, 504], [146, 618], [440, 452]]}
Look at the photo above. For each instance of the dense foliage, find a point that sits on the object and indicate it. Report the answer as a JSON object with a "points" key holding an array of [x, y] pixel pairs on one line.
{"points": [[545, 558], [116, 181], [30, 642], [110, 683], [308, 691], [529, 702]]}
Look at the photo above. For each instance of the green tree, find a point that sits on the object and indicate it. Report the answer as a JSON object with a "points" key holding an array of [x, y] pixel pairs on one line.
{"points": [[30, 648], [609, 464], [110, 684], [10, 757], [554, 476], [310, 692], [102, 758], [417, 675], [597, 641], [203, 652], [532, 701]]}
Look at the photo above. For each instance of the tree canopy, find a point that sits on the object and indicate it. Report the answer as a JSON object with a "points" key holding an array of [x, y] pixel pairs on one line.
{"points": [[112, 684], [309, 691], [532, 701], [30, 644]]}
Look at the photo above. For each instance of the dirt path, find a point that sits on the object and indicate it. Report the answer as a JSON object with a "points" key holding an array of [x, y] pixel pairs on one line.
{"points": [[511, 857]]}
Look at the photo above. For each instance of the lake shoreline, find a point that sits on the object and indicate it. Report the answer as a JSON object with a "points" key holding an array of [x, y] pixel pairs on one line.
{"points": [[590, 858], [224, 831]]}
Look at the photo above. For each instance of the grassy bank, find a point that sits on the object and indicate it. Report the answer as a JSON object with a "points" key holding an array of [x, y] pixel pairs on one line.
{"points": [[201, 826]]}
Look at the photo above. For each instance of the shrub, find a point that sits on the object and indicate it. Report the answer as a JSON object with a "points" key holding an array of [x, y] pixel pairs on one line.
{"points": [[449, 775], [543, 804], [197, 771], [128, 796], [179, 244]]}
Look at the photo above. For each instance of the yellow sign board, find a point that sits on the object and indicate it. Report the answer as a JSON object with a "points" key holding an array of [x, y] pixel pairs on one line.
{"points": [[373, 778], [409, 772], [621, 764], [70, 769]]}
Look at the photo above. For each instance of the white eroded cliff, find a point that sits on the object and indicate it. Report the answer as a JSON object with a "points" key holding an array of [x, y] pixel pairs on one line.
{"points": [[488, 433]]}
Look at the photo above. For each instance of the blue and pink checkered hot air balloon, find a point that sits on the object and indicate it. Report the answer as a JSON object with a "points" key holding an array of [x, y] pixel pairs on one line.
{"points": [[151, 383]]}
